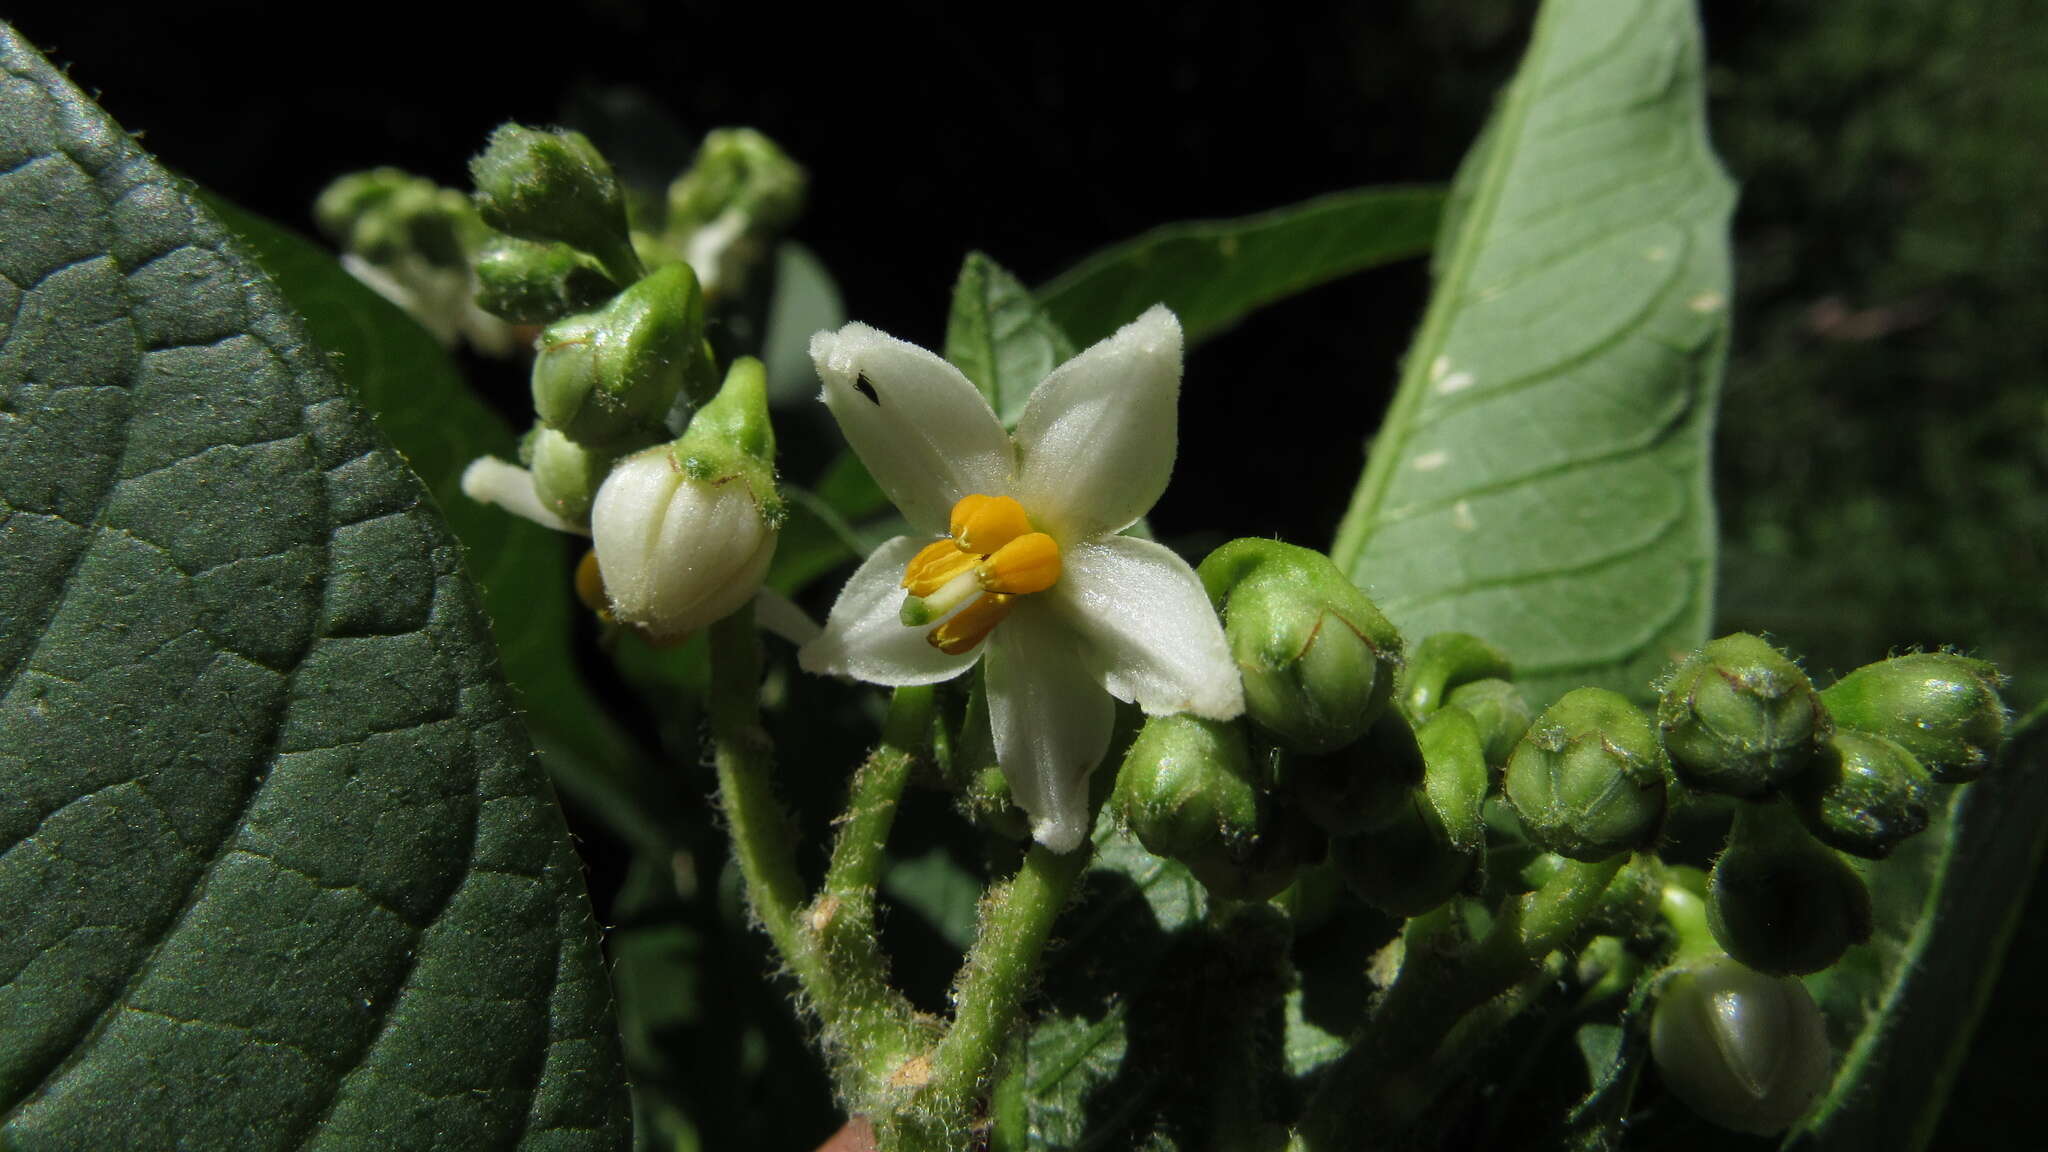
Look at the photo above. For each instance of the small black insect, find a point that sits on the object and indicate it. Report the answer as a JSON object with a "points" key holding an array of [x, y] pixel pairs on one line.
{"points": [[862, 386]]}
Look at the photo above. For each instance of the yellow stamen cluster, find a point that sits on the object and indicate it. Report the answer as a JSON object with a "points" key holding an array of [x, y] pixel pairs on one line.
{"points": [[991, 555]]}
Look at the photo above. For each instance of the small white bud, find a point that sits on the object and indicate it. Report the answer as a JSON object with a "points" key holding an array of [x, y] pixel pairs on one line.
{"points": [[677, 552]]}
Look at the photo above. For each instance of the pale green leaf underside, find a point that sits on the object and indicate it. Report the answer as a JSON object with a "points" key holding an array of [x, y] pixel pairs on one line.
{"points": [[276, 866], [1213, 273], [1541, 479]]}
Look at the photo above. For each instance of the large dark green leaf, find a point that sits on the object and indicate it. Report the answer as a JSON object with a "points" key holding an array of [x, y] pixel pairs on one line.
{"points": [[1912, 996], [1541, 479], [1213, 273], [397, 370], [279, 868]]}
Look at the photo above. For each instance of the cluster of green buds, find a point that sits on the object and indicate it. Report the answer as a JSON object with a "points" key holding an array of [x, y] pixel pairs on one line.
{"points": [[416, 243], [723, 214], [636, 440]]}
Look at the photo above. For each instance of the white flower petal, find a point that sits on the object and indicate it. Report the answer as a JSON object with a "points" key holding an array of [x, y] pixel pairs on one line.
{"points": [[489, 480], [921, 428], [1096, 442], [1051, 721], [1149, 630], [863, 637]]}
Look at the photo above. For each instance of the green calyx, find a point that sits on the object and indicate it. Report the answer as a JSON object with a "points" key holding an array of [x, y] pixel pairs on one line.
{"points": [[553, 186], [1745, 1050], [1942, 708], [731, 436], [1455, 776], [607, 379], [1188, 791], [1445, 661], [1738, 717], [1318, 659], [1587, 779], [1500, 710], [1778, 901], [566, 475], [527, 283], [386, 215], [1864, 795], [741, 171]]}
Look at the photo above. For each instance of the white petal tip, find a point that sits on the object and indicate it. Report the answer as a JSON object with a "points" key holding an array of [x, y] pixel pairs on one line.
{"points": [[489, 480], [1061, 834]]}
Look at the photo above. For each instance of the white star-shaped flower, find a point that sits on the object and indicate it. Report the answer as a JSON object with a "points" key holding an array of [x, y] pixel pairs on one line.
{"points": [[1018, 554]]}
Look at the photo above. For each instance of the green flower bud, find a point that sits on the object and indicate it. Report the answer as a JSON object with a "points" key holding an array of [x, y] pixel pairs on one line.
{"points": [[1941, 707], [608, 378], [1587, 779], [554, 186], [1781, 903], [1455, 776], [566, 475], [684, 533], [1359, 786], [529, 283], [1864, 795], [386, 214], [1407, 865], [1740, 718], [1445, 661], [1500, 710], [741, 171], [1318, 659], [1745, 1050], [1187, 790]]}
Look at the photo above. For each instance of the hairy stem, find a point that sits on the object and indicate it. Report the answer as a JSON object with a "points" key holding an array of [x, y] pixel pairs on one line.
{"points": [[1016, 923], [868, 1027]]}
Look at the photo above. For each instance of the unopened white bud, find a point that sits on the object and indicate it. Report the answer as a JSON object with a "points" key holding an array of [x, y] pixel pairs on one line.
{"points": [[677, 551]]}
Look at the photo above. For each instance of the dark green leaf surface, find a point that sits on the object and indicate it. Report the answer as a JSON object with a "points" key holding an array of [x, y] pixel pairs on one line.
{"points": [[1541, 479], [279, 869], [1912, 997], [1000, 337], [396, 370], [1213, 273]]}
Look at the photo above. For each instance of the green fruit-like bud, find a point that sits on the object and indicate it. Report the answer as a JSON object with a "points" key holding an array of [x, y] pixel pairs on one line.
{"points": [[1587, 778], [1455, 776], [1188, 791], [566, 475], [1407, 865], [1445, 661], [1745, 1050], [1941, 707], [1864, 795], [1361, 785], [1740, 718], [529, 283], [554, 186], [608, 378], [1778, 901], [1318, 659], [1501, 711]]}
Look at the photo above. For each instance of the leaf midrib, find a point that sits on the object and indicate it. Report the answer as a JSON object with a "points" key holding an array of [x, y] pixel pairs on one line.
{"points": [[1448, 295]]}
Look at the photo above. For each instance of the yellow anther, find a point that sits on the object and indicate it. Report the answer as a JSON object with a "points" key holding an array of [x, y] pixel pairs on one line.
{"points": [[590, 586], [982, 524], [934, 565], [1030, 563], [971, 625]]}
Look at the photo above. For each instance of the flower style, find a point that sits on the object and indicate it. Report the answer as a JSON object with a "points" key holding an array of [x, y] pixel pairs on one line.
{"points": [[1027, 563]]}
